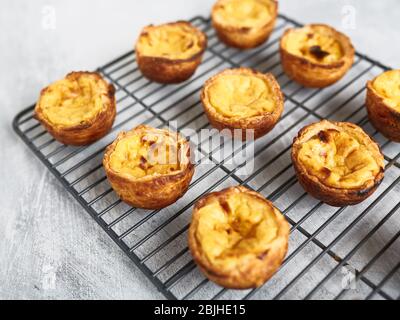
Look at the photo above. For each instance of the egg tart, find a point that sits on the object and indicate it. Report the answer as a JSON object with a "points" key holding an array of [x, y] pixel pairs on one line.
{"points": [[316, 55], [243, 99], [149, 168], [78, 109], [244, 24], [337, 162], [383, 104], [238, 238], [171, 52]]}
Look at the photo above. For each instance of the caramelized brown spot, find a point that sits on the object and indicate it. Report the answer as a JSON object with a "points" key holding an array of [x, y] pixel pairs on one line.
{"points": [[190, 45], [323, 136], [146, 139], [310, 36], [262, 255], [225, 206], [326, 172], [143, 162], [364, 192], [318, 53]]}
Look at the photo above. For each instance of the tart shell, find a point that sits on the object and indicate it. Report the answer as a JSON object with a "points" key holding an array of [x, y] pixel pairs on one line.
{"points": [[337, 197], [169, 71], [91, 130], [316, 75], [244, 37], [383, 117], [257, 269], [149, 192], [260, 124]]}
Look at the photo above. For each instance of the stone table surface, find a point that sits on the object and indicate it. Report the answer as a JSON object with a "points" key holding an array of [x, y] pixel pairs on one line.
{"points": [[49, 246]]}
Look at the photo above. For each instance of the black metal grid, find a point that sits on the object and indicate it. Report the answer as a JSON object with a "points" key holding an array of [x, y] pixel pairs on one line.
{"points": [[325, 241]]}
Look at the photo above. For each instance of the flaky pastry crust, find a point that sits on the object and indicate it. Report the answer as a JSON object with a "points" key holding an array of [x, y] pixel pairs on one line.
{"points": [[244, 35], [78, 109], [139, 177], [313, 61], [337, 162], [238, 238], [263, 116], [383, 104], [175, 65]]}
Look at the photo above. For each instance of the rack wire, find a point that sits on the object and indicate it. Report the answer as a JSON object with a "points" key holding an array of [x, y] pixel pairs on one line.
{"points": [[334, 253]]}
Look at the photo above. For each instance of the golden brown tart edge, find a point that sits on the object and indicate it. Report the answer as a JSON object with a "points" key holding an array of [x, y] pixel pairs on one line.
{"points": [[90, 130], [245, 37], [255, 269], [337, 197], [383, 117], [316, 75], [261, 124], [166, 70], [150, 192]]}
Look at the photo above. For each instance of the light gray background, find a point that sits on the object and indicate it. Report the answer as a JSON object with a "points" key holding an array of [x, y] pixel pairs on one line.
{"points": [[49, 246]]}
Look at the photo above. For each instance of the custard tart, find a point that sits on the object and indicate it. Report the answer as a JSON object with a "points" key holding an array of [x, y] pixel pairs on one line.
{"points": [[171, 52], [238, 238], [149, 168], [316, 55], [243, 100], [244, 24], [337, 162], [383, 104], [78, 109]]}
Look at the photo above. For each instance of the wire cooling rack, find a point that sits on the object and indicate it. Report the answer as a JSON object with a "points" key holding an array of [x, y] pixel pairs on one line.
{"points": [[334, 253]]}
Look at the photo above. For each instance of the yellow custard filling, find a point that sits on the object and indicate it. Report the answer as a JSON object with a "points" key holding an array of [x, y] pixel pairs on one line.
{"points": [[147, 153], [234, 227], [74, 100], [387, 85], [241, 96], [338, 159], [244, 13], [315, 44], [170, 41]]}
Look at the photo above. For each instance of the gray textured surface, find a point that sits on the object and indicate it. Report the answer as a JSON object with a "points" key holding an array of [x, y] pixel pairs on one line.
{"points": [[49, 247]]}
